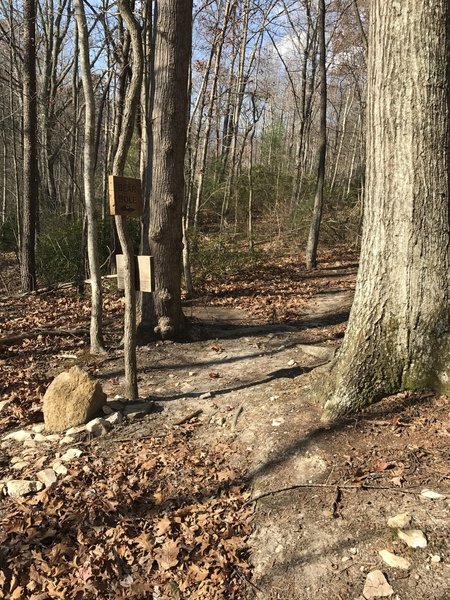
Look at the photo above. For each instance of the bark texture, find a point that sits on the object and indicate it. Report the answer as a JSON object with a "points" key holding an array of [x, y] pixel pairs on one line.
{"points": [[30, 161], [172, 55], [398, 333]]}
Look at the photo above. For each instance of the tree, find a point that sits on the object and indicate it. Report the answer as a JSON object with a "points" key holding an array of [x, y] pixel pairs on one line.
{"points": [[398, 336], [172, 55], [30, 161], [88, 181]]}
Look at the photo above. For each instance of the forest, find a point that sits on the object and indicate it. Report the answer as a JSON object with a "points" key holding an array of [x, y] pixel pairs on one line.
{"points": [[224, 299]]}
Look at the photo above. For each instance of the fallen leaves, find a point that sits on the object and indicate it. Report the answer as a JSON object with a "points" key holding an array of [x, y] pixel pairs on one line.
{"points": [[151, 515]]}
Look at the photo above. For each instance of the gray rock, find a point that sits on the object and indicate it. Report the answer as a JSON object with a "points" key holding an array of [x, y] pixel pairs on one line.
{"points": [[399, 521], [98, 426], [18, 466], [16, 488], [66, 440], [59, 468], [76, 430], [47, 477], [137, 410], [70, 454], [19, 436], [71, 399]]}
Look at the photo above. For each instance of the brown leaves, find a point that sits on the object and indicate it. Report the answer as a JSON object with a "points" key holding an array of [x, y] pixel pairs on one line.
{"points": [[167, 555]]}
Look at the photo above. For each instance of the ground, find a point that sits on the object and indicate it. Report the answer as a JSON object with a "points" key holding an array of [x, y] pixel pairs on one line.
{"points": [[161, 506]]}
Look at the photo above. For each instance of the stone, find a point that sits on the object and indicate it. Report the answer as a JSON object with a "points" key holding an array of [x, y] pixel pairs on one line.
{"points": [[392, 560], [4, 404], [76, 430], [399, 521], [47, 477], [414, 538], [137, 410], [66, 440], [59, 468], [18, 466], [38, 428], [16, 488], [98, 427], [115, 418], [70, 454], [19, 436], [435, 559], [107, 409], [71, 399], [377, 586], [206, 395], [431, 494], [40, 438]]}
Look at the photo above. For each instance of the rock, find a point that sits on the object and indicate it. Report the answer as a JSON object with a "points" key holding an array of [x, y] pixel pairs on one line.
{"points": [[59, 468], [432, 495], [117, 403], [137, 410], [414, 538], [435, 559], [399, 521], [40, 438], [4, 404], [98, 426], [206, 395], [114, 418], [70, 454], [16, 488], [398, 562], [19, 436], [30, 443], [66, 440], [71, 399], [377, 586], [16, 459], [38, 428], [18, 466], [107, 409], [47, 477], [76, 430]]}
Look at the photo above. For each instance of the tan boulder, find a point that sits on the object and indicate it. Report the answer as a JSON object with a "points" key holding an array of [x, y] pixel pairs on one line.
{"points": [[71, 399]]}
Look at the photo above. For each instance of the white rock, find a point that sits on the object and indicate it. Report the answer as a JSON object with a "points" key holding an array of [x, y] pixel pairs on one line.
{"points": [[431, 494], [47, 477], [76, 430], [377, 586], [98, 426], [66, 440], [3, 404], [53, 437], [19, 436], [70, 454], [435, 559], [399, 521], [40, 438], [291, 363], [59, 468], [114, 418], [398, 562], [16, 459], [414, 538], [30, 443], [38, 428], [206, 395], [16, 488], [18, 466], [277, 422]]}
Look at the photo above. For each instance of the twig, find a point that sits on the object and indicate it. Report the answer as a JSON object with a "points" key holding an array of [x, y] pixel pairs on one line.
{"points": [[190, 416], [239, 409], [15, 339], [328, 486], [254, 587]]}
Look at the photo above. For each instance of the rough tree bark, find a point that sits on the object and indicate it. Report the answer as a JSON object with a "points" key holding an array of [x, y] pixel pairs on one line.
{"points": [[172, 54], [398, 333], [30, 160]]}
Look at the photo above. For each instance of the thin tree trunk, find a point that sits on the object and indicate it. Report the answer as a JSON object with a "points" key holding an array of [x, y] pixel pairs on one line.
{"points": [[96, 338], [313, 239], [30, 168]]}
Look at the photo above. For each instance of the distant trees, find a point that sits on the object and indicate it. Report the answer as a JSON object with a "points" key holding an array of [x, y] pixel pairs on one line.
{"points": [[398, 335]]}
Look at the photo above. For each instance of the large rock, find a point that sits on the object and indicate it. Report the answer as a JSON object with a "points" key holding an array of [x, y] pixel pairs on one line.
{"points": [[71, 399]]}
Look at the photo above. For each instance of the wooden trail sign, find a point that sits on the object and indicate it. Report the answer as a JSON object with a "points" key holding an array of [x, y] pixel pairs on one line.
{"points": [[144, 273], [125, 196]]}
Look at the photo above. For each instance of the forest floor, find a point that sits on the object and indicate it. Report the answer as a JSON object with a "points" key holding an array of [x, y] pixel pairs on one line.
{"points": [[161, 507]]}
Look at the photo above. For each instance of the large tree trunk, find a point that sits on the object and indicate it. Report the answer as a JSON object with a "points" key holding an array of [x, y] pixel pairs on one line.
{"points": [[398, 334], [172, 54], [30, 168]]}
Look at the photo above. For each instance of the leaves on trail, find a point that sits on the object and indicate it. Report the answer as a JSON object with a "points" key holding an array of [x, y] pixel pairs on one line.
{"points": [[151, 513]]}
